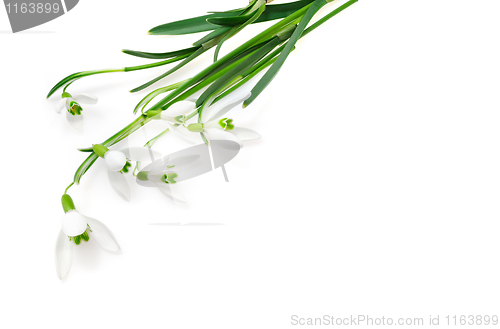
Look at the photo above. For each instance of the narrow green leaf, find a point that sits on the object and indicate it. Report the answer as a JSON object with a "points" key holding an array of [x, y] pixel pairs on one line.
{"points": [[230, 21], [187, 26], [237, 29], [256, 56], [281, 10], [149, 97], [200, 24], [160, 55], [177, 67], [212, 35], [273, 70]]}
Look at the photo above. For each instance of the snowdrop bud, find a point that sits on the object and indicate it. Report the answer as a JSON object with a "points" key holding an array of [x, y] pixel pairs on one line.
{"points": [[73, 223], [115, 160]]}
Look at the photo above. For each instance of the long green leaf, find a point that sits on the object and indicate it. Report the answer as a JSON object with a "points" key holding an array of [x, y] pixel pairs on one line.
{"points": [[230, 21], [191, 57], [237, 29], [239, 69], [187, 26], [200, 24], [273, 70], [212, 35], [160, 55]]}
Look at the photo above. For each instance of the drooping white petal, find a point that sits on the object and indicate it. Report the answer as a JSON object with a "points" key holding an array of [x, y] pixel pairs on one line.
{"points": [[166, 189], [219, 134], [119, 184], [245, 134], [141, 153], [61, 105], [180, 108], [115, 160], [73, 223], [75, 120], [178, 163], [185, 134], [223, 106], [63, 254], [102, 235], [85, 99]]}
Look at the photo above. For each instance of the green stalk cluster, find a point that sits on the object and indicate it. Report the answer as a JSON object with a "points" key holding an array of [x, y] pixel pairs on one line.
{"points": [[267, 50]]}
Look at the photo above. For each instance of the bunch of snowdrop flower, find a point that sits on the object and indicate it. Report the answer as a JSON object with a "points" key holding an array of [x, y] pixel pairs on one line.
{"points": [[205, 118]]}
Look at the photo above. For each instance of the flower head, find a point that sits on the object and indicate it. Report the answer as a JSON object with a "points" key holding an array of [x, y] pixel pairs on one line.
{"points": [[118, 164], [75, 228], [73, 108], [217, 126]]}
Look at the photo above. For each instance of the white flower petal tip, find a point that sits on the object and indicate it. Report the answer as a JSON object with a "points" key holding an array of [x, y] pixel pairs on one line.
{"points": [[73, 223], [141, 153], [102, 235], [245, 134], [219, 109], [85, 99], [185, 135], [115, 160], [75, 120], [218, 134], [63, 255], [166, 190], [119, 183], [181, 107], [61, 105]]}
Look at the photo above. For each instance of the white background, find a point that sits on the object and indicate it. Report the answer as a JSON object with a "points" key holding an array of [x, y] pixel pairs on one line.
{"points": [[374, 189]]}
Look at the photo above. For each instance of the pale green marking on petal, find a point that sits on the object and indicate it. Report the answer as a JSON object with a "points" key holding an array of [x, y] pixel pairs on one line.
{"points": [[169, 178], [226, 124]]}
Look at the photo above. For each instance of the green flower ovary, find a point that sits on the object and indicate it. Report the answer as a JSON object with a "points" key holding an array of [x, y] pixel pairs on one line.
{"points": [[75, 108], [169, 178], [226, 124], [84, 236]]}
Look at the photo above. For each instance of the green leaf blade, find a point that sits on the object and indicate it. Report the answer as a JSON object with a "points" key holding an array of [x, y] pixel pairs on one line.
{"points": [[273, 70]]}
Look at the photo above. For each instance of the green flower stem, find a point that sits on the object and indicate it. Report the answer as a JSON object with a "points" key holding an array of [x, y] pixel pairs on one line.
{"points": [[67, 188], [328, 16], [188, 59], [149, 97], [75, 76], [150, 143]]}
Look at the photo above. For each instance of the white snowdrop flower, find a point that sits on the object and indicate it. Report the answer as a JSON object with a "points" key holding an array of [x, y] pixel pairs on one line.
{"points": [[118, 164], [75, 228], [73, 108], [216, 126]]}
